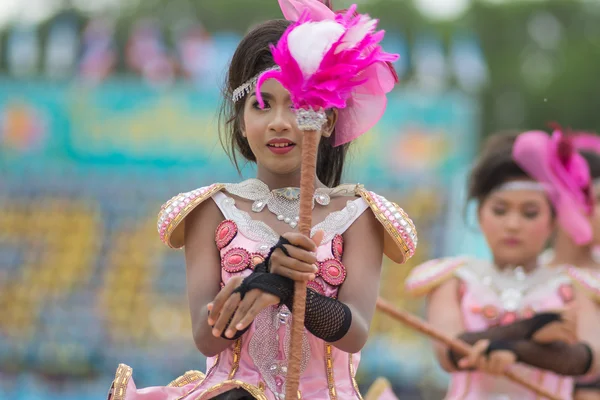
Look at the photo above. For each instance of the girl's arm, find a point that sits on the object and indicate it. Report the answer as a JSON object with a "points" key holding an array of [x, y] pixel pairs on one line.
{"points": [[443, 312], [564, 358], [203, 266], [588, 327], [363, 255]]}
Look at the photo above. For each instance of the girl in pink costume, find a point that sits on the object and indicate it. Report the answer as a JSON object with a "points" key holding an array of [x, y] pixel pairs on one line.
{"points": [[578, 252], [243, 251], [505, 308]]}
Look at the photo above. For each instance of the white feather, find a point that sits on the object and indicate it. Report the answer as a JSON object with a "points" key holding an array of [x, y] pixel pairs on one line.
{"points": [[308, 43], [357, 33]]}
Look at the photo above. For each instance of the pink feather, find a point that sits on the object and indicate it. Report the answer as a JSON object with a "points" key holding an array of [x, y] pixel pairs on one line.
{"points": [[344, 73]]}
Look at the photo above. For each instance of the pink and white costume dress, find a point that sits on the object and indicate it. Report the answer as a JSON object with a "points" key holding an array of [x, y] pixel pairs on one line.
{"points": [[490, 297], [257, 361]]}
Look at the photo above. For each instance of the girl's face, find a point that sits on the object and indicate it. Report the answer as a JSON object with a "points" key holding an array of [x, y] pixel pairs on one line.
{"points": [[516, 224], [272, 132]]}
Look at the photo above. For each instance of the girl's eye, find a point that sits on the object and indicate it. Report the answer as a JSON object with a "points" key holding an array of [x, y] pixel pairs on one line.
{"points": [[256, 105], [498, 211], [531, 214]]}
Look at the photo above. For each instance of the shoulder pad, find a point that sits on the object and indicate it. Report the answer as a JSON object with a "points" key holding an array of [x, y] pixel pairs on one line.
{"points": [[121, 382], [401, 235], [429, 275], [587, 280], [172, 214]]}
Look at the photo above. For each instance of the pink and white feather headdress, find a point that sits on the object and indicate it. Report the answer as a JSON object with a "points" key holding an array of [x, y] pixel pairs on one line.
{"points": [[328, 60]]}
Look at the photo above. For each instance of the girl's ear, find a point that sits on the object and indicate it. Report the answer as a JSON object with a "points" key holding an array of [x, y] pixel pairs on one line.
{"points": [[332, 117]]}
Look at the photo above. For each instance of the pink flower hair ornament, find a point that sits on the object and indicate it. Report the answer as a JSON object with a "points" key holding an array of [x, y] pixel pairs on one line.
{"points": [[333, 63], [586, 141], [582, 141], [554, 162]]}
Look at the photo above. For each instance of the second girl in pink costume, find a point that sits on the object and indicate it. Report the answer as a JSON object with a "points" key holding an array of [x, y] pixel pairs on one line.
{"points": [[579, 251], [502, 307]]}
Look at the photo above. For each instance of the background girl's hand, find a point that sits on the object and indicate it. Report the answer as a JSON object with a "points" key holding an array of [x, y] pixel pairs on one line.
{"points": [[498, 362], [495, 363], [300, 265], [564, 330]]}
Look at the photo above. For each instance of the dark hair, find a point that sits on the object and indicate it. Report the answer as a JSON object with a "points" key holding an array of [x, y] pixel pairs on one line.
{"points": [[593, 160], [494, 166], [251, 57]]}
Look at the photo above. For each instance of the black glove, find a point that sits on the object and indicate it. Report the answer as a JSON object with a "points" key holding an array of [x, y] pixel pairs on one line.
{"points": [[519, 330]]}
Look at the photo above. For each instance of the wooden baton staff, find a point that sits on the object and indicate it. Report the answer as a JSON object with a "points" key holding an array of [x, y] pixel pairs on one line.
{"points": [[453, 343], [307, 189]]}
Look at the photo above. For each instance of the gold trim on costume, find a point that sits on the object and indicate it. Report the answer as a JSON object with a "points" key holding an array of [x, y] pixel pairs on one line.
{"points": [[254, 391], [329, 367], [398, 241], [192, 390], [198, 383], [187, 378], [353, 376], [237, 351], [178, 241], [119, 386], [214, 366]]}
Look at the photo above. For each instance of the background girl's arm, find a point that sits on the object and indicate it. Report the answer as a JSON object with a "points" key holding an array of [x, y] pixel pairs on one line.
{"points": [[443, 312], [588, 327]]}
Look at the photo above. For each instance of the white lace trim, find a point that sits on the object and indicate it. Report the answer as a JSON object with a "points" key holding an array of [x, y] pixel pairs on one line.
{"points": [[335, 223], [254, 230], [514, 288]]}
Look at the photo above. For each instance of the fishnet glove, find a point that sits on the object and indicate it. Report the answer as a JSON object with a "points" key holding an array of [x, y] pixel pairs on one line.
{"points": [[519, 330], [589, 385], [558, 357], [274, 284], [326, 318]]}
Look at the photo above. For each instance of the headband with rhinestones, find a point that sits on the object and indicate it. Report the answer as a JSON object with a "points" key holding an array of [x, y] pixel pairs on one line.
{"points": [[241, 91], [520, 185]]}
